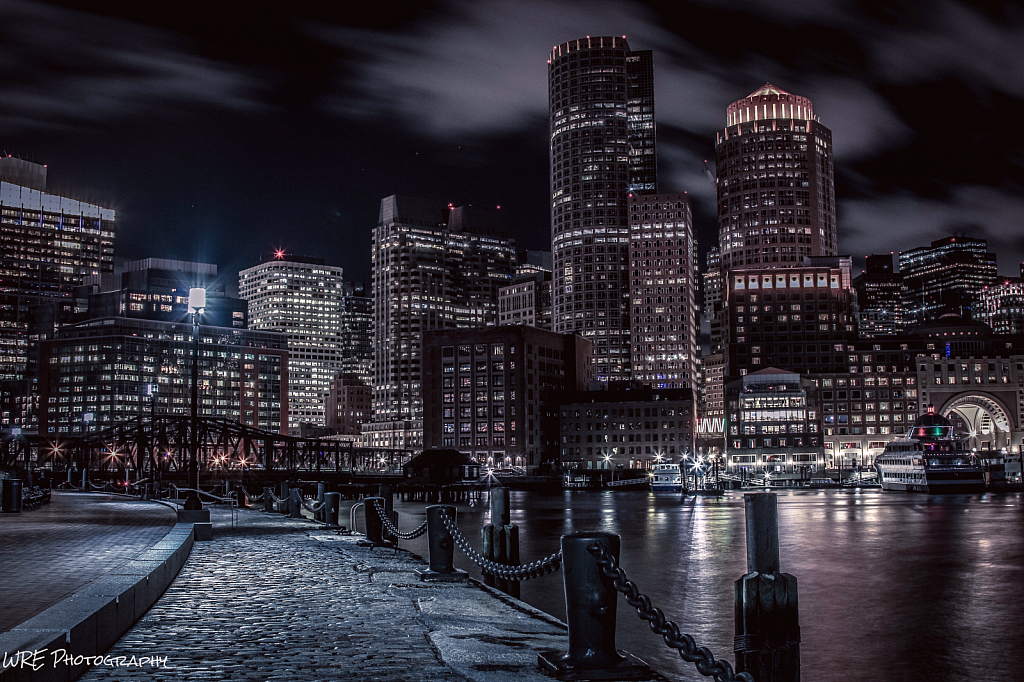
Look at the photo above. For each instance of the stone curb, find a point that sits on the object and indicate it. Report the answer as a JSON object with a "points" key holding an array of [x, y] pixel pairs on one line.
{"points": [[90, 621]]}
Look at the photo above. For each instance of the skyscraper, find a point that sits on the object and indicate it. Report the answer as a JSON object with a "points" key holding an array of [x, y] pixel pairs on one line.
{"points": [[49, 245], [435, 266], [300, 297], [946, 277], [357, 332], [879, 299], [663, 289], [776, 192], [601, 106]]}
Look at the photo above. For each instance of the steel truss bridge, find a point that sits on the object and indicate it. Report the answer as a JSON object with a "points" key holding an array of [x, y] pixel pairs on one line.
{"points": [[154, 447]]}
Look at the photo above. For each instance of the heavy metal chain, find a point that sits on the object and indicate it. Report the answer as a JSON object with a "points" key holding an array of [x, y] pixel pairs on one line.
{"points": [[251, 498], [411, 535], [312, 508], [518, 573], [702, 657]]}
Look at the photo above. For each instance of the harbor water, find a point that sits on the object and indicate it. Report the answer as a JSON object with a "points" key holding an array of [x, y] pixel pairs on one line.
{"points": [[893, 586]]}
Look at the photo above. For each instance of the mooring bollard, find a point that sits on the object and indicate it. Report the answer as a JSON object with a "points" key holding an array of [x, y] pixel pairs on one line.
{"points": [[321, 490], [440, 548], [295, 503], [332, 501], [374, 525], [500, 540], [285, 495], [268, 498], [590, 601], [767, 643], [240, 494]]}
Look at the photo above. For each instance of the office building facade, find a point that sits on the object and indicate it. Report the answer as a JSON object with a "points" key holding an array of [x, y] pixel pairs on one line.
{"points": [[527, 301], [435, 267], [348, 405], [946, 277], [300, 297], [97, 373], [663, 272], [601, 106], [880, 293], [493, 392], [1001, 306], [50, 244], [776, 188], [357, 331]]}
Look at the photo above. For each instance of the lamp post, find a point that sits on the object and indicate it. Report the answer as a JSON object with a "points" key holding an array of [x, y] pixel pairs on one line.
{"points": [[196, 304]]}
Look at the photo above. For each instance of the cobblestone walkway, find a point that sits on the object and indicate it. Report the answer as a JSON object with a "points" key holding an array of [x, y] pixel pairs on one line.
{"points": [[277, 599], [48, 553]]}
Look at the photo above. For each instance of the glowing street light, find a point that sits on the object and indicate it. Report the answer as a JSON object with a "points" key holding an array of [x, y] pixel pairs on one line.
{"points": [[196, 306]]}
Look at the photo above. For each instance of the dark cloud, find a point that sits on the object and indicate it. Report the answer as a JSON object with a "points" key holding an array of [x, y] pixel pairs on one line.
{"points": [[294, 121]]}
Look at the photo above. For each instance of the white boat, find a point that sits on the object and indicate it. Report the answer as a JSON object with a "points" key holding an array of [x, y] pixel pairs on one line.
{"points": [[929, 459], [666, 478]]}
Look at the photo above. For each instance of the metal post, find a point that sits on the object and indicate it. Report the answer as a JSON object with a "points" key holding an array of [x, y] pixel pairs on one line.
{"points": [[321, 490], [286, 496], [332, 502], [295, 503], [374, 525], [268, 498], [193, 502], [10, 501], [767, 640], [440, 547], [590, 601]]}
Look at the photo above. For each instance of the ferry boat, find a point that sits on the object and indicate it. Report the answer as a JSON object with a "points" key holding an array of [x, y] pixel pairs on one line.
{"points": [[666, 478], [929, 459]]}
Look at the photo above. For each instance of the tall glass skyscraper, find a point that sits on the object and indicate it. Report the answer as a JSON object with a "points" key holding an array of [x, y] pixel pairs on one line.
{"points": [[300, 297], [776, 189], [601, 107]]}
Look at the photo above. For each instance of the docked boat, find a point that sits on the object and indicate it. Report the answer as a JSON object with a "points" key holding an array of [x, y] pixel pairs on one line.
{"points": [[666, 478], [929, 459]]}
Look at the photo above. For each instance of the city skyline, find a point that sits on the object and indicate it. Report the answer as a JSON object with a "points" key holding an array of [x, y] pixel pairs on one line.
{"points": [[295, 140]]}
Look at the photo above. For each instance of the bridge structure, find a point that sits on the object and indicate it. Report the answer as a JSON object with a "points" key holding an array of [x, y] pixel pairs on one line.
{"points": [[158, 447]]}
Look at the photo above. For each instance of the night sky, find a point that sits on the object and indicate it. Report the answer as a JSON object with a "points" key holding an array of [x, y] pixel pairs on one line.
{"points": [[221, 130]]}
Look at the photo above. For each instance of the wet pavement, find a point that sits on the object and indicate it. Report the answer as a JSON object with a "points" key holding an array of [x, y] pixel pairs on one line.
{"points": [[48, 553]]}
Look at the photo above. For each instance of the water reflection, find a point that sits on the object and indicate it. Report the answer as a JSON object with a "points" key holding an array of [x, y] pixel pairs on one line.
{"points": [[893, 586]]}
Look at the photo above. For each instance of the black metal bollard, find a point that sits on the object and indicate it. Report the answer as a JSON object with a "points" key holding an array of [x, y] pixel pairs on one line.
{"points": [[441, 548], [500, 540], [374, 525], [332, 502], [285, 495], [590, 601], [295, 503], [268, 498], [240, 494], [767, 643], [10, 497], [321, 490]]}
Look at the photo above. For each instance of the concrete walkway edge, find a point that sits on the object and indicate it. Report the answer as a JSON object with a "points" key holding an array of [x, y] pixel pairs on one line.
{"points": [[89, 622]]}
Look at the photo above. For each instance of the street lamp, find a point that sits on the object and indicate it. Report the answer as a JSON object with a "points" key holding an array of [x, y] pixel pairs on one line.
{"points": [[196, 304]]}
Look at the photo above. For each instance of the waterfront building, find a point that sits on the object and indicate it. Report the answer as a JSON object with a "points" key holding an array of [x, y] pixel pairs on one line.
{"points": [[798, 319], [773, 427], [357, 331], [946, 277], [300, 297], [602, 146], [663, 289], [527, 301], [348, 405], [50, 244], [435, 267], [625, 425], [528, 262], [103, 371], [1001, 306], [493, 392], [776, 187]]}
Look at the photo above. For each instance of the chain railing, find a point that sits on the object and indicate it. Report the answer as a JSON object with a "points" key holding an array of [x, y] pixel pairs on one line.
{"points": [[548, 564], [688, 650], [311, 508], [252, 498], [393, 529]]}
